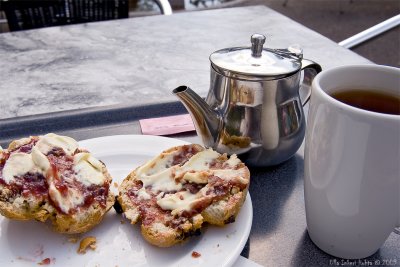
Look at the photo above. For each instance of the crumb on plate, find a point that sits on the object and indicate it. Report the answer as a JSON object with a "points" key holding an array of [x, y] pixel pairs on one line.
{"points": [[87, 242], [195, 254], [45, 261]]}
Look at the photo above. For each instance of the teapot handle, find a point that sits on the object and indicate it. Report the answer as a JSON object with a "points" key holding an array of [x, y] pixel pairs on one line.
{"points": [[311, 69]]}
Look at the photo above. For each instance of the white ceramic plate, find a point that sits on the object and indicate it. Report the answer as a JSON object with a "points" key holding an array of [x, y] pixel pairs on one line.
{"points": [[118, 242]]}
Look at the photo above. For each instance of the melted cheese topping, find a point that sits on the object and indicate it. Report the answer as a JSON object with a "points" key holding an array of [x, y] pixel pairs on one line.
{"points": [[156, 176], [88, 170], [40, 160], [47, 142], [196, 177], [177, 202], [142, 194], [162, 181], [154, 173], [199, 162], [157, 164], [18, 164], [233, 161], [228, 174], [160, 164], [68, 202], [22, 141]]}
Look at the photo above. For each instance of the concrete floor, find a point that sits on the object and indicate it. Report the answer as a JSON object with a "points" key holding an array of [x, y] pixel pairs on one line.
{"points": [[340, 19]]}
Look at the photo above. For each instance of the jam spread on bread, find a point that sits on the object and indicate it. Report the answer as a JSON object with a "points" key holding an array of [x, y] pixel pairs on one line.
{"points": [[178, 185], [184, 155], [53, 168], [176, 192]]}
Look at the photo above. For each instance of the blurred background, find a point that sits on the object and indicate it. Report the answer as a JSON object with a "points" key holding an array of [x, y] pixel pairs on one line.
{"points": [[335, 19]]}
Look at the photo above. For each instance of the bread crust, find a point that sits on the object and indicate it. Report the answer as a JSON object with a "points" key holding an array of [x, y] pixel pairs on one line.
{"points": [[220, 211], [25, 206]]}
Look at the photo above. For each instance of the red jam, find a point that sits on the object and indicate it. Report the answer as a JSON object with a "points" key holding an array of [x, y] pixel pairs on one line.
{"points": [[26, 148], [62, 172], [32, 184], [45, 261], [219, 188], [187, 152], [28, 184]]}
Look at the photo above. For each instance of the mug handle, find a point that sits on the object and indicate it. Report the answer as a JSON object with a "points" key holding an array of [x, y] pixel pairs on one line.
{"points": [[311, 69]]}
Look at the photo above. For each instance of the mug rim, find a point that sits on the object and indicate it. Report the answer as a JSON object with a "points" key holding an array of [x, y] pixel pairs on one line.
{"points": [[317, 87]]}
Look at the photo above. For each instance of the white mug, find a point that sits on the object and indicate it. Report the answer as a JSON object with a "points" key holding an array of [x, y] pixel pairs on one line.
{"points": [[352, 174]]}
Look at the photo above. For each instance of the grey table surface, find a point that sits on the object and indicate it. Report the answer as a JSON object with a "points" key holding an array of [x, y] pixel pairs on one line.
{"points": [[101, 78], [138, 60]]}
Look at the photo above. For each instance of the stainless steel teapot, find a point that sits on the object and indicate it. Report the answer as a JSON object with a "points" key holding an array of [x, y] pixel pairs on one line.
{"points": [[253, 107]]}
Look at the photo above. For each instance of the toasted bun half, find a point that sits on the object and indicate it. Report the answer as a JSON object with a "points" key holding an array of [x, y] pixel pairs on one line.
{"points": [[174, 193], [50, 178]]}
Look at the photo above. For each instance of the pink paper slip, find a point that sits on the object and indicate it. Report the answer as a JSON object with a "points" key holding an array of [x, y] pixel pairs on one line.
{"points": [[167, 125]]}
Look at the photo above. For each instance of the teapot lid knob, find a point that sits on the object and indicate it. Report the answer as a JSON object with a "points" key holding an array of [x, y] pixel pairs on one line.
{"points": [[257, 42]]}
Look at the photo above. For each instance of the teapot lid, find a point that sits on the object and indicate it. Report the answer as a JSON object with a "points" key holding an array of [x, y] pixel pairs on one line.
{"points": [[256, 62]]}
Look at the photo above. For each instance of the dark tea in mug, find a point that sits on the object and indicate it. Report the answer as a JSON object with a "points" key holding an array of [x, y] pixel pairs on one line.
{"points": [[371, 100]]}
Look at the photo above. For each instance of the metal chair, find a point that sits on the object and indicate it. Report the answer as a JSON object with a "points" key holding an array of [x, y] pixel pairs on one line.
{"points": [[31, 14], [370, 33]]}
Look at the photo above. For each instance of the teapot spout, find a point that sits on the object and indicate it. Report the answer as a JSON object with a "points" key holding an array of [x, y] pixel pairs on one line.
{"points": [[206, 121]]}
